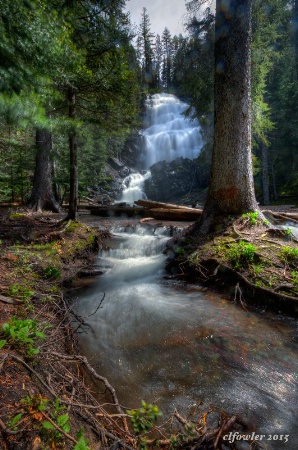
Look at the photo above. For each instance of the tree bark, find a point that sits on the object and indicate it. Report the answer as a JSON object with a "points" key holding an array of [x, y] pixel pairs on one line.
{"points": [[151, 204], [296, 36], [73, 160], [273, 182], [42, 193], [265, 175], [231, 188]]}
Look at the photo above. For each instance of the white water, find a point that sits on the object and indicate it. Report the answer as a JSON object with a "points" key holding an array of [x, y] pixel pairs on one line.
{"points": [[133, 186], [157, 341], [168, 135]]}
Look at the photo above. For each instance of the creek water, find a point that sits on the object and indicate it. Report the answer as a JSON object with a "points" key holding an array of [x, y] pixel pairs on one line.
{"points": [[173, 345], [168, 135]]}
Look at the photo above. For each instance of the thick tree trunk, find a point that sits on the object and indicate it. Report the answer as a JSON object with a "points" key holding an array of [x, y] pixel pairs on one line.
{"points": [[42, 193], [231, 188], [265, 175], [73, 159]]}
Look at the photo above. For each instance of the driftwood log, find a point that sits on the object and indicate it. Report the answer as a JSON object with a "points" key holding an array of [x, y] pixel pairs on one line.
{"points": [[187, 214], [164, 212], [153, 205]]}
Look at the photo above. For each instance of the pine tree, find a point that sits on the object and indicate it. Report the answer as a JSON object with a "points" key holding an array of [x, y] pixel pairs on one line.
{"points": [[167, 62], [231, 189], [145, 42]]}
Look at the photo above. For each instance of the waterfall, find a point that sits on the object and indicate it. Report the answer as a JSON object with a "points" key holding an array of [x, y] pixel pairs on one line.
{"points": [[133, 187], [168, 135]]}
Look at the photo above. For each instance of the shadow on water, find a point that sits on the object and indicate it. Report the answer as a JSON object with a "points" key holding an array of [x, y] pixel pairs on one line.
{"points": [[173, 345]]}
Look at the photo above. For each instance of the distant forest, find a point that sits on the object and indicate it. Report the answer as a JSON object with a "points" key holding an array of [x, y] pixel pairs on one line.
{"points": [[74, 77]]}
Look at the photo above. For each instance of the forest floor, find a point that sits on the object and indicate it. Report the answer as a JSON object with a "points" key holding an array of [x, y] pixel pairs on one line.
{"points": [[253, 262], [47, 400], [39, 381]]}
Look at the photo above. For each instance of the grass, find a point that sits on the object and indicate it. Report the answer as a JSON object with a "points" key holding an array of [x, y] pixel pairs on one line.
{"points": [[252, 216], [289, 255], [241, 254]]}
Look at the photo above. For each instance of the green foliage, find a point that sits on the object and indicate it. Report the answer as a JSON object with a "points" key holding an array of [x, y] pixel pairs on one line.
{"points": [[72, 226], [13, 423], [194, 258], [252, 216], [242, 254], [16, 216], [20, 291], [34, 406], [81, 445], [288, 232], [36, 402], [289, 255], [23, 334], [258, 269], [52, 272], [49, 430], [143, 418], [294, 274], [179, 251]]}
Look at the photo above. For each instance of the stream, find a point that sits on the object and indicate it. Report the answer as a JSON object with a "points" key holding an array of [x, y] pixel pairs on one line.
{"points": [[174, 345]]}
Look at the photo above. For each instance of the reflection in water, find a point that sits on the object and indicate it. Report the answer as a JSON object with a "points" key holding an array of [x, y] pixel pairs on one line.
{"points": [[174, 346]]}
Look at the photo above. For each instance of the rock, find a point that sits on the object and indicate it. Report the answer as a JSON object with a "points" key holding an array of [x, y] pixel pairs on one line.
{"points": [[115, 163], [171, 180]]}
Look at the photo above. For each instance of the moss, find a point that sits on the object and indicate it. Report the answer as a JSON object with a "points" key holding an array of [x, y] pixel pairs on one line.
{"points": [[16, 216], [73, 226], [289, 255]]}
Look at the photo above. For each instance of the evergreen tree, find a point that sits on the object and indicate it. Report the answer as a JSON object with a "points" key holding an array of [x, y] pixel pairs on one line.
{"points": [[231, 185], [145, 42], [167, 63], [158, 53]]}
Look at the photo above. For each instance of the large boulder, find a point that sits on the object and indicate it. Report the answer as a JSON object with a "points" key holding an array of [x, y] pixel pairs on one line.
{"points": [[171, 180]]}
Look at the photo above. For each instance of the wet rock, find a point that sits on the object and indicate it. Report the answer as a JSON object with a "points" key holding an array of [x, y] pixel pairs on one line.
{"points": [[171, 179]]}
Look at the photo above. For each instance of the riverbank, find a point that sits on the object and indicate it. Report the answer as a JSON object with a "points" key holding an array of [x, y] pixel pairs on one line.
{"points": [[40, 256], [45, 398], [46, 394], [247, 258]]}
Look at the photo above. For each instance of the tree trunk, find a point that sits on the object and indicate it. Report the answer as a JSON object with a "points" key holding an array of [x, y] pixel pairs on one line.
{"points": [[265, 175], [73, 159], [273, 182], [296, 36], [231, 188], [42, 194]]}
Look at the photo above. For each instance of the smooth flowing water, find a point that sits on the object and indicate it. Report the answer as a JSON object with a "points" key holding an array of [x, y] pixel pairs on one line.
{"points": [[168, 135], [173, 345]]}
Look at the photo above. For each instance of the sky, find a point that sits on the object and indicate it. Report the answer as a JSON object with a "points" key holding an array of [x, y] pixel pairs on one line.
{"points": [[162, 13]]}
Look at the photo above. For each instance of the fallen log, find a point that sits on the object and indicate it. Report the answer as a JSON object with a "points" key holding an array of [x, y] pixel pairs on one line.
{"points": [[188, 214], [181, 214], [151, 204]]}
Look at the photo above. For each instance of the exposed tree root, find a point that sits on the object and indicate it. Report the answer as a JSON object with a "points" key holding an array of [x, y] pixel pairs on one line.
{"points": [[257, 295]]}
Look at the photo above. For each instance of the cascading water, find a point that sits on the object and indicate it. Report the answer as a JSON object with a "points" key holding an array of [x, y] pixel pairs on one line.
{"points": [[133, 187], [157, 341], [168, 135]]}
